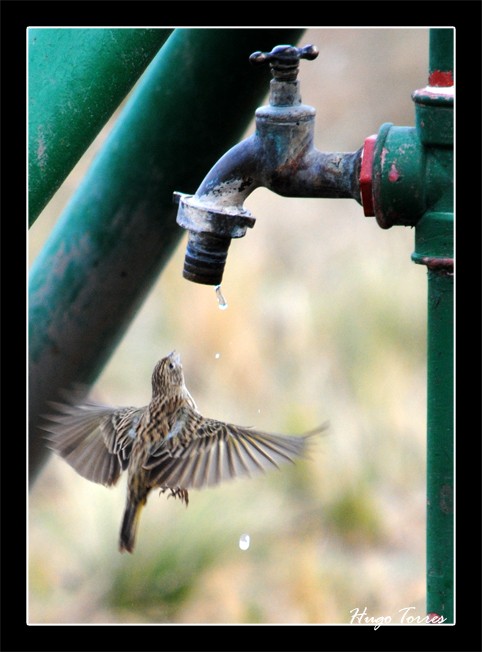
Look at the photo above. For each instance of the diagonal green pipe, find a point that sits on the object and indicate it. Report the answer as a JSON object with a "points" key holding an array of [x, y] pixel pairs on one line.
{"points": [[192, 104], [76, 80]]}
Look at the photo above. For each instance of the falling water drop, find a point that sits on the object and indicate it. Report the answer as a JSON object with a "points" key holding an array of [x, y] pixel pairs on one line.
{"points": [[244, 541], [217, 356], [221, 300]]}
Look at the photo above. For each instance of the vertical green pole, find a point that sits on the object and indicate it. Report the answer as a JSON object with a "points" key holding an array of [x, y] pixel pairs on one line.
{"points": [[441, 57], [434, 248], [440, 449]]}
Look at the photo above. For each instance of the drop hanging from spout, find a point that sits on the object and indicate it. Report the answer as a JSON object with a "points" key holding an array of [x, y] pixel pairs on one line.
{"points": [[222, 303]]}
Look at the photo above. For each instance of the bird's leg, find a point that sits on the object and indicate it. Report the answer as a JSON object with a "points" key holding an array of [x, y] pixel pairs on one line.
{"points": [[177, 492]]}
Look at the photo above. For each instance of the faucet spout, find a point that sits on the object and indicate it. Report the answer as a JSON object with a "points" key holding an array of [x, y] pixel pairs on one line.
{"points": [[280, 156], [215, 214]]}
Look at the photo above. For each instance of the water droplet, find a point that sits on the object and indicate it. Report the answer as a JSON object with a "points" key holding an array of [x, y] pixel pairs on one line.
{"points": [[244, 541], [259, 410], [217, 356], [223, 304]]}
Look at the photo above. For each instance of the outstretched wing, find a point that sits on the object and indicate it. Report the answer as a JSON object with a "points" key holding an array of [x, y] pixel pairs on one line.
{"points": [[200, 452], [95, 439]]}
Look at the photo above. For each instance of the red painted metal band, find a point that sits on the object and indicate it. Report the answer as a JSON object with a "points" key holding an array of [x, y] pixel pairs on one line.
{"points": [[366, 172], [441, 78], [438, 264]]}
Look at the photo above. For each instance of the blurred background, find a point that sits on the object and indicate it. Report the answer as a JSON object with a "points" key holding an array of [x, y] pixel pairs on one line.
{"points": [[326, 320]]}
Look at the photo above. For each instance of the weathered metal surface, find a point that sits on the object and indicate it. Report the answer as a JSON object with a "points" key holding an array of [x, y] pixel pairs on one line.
{"points": [[280, 156]]}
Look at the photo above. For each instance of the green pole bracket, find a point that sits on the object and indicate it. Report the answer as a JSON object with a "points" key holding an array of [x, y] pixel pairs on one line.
{"points": [[76, 79], [412, 173], [398, 176], [192, 104]]}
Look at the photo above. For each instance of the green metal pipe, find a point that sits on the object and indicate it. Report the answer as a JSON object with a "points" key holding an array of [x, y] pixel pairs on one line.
{"points": [[108, 247], [434, 248], [76, 80], [441, 57], [440, 449], [411, 183]]}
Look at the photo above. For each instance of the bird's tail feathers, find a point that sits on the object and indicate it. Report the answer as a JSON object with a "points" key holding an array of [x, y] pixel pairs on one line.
{"points": [[130, 522]]}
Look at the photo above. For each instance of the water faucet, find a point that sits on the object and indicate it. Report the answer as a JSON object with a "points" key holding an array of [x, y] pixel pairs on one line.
{"points": [[280, 156]]}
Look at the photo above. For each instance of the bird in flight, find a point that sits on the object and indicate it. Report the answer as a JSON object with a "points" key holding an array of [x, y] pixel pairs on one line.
{"points": [[166, 445]]}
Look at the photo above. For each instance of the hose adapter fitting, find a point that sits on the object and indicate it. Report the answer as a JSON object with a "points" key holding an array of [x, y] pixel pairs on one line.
{"points": [[210, 234]]}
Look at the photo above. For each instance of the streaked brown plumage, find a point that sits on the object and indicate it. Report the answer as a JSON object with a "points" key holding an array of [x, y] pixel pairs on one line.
{"points": [[167, 444]]}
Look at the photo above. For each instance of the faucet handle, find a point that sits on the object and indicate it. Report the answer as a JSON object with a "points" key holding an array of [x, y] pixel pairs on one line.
{"points": [[284, 60]]}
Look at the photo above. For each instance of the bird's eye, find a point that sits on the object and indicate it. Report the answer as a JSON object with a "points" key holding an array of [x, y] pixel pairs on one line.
{"points": [[171, 366]]}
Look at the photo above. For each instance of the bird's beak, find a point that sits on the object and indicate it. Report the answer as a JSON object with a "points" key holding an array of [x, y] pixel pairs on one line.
{"points": [[175, 357]]}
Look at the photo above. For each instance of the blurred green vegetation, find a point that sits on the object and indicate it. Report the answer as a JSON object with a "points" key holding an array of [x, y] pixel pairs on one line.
{"points": [[326, 321]]}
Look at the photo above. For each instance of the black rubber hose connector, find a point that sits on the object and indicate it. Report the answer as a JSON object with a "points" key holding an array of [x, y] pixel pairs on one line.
{"points": [[205, 258]]}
